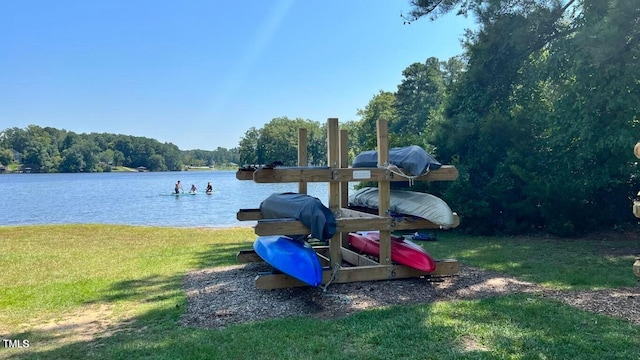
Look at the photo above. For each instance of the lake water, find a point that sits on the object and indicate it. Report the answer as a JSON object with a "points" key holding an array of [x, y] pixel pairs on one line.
{"points": [[135, 198]]}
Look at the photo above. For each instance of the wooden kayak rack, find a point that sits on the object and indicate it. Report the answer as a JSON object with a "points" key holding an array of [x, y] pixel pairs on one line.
{"points": [[343, 265]]}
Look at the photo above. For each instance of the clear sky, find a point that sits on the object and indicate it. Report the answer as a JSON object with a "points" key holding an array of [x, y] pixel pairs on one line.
{"points": [[200, 73]]}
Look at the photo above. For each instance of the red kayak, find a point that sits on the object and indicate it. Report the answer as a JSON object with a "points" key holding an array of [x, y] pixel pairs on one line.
{"points": [[403, 251]]}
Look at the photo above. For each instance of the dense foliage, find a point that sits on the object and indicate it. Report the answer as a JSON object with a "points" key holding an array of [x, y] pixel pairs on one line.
{"points": [[278, 141], [542, 122], [52, 150], [540, 115]]}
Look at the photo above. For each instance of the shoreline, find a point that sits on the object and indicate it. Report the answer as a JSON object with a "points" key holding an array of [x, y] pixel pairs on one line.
{"points": [[213, 227]]}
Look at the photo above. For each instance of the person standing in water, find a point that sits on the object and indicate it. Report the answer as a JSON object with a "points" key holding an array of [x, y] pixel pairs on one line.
{"points": [[209, 188], [178, 187]]}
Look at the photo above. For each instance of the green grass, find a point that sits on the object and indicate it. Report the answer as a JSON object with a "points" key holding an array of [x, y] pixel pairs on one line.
{"points": [[53, 268], [586, 264], [50, 272]]}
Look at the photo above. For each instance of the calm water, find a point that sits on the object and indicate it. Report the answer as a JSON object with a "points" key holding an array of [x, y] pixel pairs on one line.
{"points": [[134, 198]]}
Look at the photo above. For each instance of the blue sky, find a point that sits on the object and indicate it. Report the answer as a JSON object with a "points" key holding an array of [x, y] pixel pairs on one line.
{"points": [[200, 73]]}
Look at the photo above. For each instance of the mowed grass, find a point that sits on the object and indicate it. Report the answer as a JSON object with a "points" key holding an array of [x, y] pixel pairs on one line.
{"points": [[53, 268], [52, 272], [588, 263]]}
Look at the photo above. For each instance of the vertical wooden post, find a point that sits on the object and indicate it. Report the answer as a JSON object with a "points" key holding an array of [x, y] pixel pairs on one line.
{"points": [[303, 157], [384, 191], [344, 186], [344, 163], [333, 157]]}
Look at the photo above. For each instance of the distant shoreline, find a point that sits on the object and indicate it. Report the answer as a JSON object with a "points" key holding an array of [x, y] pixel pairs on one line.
{"points": [[213, 227]]}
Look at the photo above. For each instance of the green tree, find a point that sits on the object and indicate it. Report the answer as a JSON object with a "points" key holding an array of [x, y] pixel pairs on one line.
{"points": [[72, 161], [381, 106], [6, 156], [540, 123], [419, 100], [248, 146], [156, 163]]}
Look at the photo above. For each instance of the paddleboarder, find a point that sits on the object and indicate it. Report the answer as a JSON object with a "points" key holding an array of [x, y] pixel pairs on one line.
{"points": [[178, 187], [193, 189], [209, 188]]}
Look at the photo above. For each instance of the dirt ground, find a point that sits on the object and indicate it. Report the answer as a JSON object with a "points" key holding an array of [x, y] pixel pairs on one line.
{"points": [[219, 297]]}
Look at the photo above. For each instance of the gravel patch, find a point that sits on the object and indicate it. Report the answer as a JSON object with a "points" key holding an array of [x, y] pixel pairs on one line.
{"points": [[223, 296]]}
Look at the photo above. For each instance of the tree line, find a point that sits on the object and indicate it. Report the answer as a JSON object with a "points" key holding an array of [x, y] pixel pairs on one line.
{"points": [[52, 150], [539, 114]]}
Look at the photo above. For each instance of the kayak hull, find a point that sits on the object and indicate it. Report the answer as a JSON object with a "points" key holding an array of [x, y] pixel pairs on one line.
{"points": [[403, 251], [294, 258], [422, 205]]}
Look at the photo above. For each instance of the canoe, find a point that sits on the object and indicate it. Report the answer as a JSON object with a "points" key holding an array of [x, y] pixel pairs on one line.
{"points": [[294, 258], [403, 251], [422, 205]]}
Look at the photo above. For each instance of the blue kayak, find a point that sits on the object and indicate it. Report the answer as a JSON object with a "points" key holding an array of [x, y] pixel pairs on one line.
{"points": [[294, 258]]}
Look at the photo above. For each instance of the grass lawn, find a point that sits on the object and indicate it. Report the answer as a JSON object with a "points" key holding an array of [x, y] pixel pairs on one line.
{"points": [[117, 292]]}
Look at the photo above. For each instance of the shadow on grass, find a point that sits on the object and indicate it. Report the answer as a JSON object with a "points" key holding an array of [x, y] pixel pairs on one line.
{"points": [[504, 327], [219, 255]]}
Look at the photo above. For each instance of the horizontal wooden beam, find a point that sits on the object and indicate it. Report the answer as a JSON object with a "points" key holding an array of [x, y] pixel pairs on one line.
{"points": [[248, 214], [244, 174], [443, 266], [356, 274], [248, 256], [294, 227], [322, 174]]}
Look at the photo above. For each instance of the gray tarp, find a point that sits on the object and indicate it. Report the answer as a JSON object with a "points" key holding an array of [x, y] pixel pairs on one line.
{"points": [[307, 209], [412, 159]]}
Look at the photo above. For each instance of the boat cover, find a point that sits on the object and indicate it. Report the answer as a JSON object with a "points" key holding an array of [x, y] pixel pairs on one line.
{"points": [[422, 205], [307, 209], [412, 159]]}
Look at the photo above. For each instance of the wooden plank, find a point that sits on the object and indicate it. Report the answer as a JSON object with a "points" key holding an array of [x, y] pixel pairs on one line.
{"points": [[248, 214], [294, 227], [303, 158], [247, 256], [344, 185], [356, 259], [351, 223], [445, 173], [323, 174], [351, 214], [288, 175], [333, 158], [255, 214], [280, 226], [269, 281], [388, 272], [244, 175], [373, 273], [344, 163], [357, 274], [446, 267], [384, 191], [324, 260]]}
